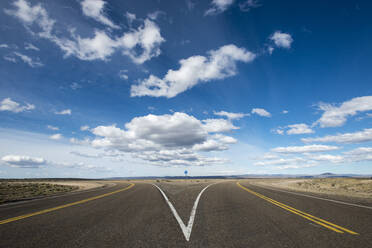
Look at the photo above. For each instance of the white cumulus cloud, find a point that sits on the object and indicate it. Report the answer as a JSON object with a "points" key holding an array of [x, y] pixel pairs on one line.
{"points": [[281, 39], [218, 6], [63, 112], [23, 161], [305, 149], [56, 136], [218, 125], [30, 15], [52, 127], [84, 128], [170, 139], [336, 115], [219, 64], [247, 5], [301, 128], [94, 9], [139, 44], [9, 105], [230, 115], [328, 158], [347, 138], [261, 112]]}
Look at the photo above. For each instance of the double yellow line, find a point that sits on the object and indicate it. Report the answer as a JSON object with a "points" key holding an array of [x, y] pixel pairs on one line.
{"points": [[63, 206], [319, 221]]}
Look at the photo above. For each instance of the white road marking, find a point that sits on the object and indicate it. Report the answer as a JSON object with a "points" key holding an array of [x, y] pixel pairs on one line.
{"points": [[185, 229], [315, 197]]}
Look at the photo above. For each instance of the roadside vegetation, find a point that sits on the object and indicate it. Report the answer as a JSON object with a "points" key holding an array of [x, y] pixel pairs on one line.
{"points": [[352, 187], [16, 191], [347, 186]]}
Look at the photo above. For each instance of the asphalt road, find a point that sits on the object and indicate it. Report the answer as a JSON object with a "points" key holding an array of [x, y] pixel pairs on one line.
{"points": [[227, 215]]}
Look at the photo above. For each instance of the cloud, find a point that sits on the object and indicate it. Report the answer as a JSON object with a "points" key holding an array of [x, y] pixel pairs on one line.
{"points": [[94, 9], [304, 149], [345, 138], [84, 155], [23, 161], [218, 125], [299, 129], [231, 116], [32, 14], [4, 46], [178, 158], [282, 40], [336, 116], [10, 58], [9, 105], [217, 142], [83, 142], [261, 112], [247, 5], [359, 154], [219, 64], [75, 86], [155, 15], [123, 74], [284, 167], [28, 60], [281, 161], [278, 131], [84, 128], [218, 6], [147, 38], [139, 44], [63, 112], [360, 150], [309, 160], [270, 49], [170, 139], [190, 4], [294, 129], [29, 46], [130, 17], [81, 165], [56, 136], [52, 128], [328, 158], [98, 47], [285, 112]]}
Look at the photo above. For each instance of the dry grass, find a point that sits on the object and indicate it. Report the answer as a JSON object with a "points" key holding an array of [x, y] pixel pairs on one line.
{"points": [[353, 187], [15, 191]]}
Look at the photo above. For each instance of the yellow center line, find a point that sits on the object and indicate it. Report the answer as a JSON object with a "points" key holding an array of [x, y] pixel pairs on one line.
{"points": [[64, 206], [319, 221]]}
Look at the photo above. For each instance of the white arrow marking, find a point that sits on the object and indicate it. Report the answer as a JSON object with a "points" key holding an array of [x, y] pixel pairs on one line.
{"points": [[185, 229]]}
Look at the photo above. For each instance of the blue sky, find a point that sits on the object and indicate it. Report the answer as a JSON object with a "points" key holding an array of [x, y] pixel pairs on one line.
{"points": [[141, 88]]}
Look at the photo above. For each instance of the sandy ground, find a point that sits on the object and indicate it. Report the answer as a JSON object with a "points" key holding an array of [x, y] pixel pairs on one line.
{"points": [[350, 187], [83, 185]]}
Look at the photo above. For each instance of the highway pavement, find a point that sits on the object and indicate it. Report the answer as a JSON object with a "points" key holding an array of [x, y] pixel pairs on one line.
{"points": [[231, 213]]}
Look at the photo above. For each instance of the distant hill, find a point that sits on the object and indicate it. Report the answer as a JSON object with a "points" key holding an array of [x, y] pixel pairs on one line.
{"points": [[323, 175]]}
